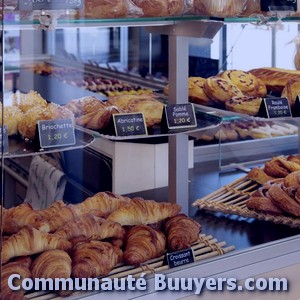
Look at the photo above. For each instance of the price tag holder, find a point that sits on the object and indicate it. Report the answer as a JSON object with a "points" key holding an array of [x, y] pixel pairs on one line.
{"points": [[179, 116], [278, 5], [274, 108], [180, 258], [4, 139], [129, 124], [30, 5], [296, 108], [56, 133]]}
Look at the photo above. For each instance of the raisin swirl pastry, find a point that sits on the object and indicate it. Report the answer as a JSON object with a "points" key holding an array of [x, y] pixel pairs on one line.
{"points": [[220, 90], [246, 82], [244, 105]]}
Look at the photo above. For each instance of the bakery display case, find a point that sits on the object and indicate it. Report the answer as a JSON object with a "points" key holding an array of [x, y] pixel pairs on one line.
{"points": [[82, 97]]}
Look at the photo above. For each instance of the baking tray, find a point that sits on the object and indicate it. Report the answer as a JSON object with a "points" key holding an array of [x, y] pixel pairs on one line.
{"points": [[232, 198], [206, 247]]}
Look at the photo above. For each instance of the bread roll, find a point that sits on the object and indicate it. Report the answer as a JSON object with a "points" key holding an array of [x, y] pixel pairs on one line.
{"points": [[27, 126], [160, 8], [27, 101], [12, 116]]}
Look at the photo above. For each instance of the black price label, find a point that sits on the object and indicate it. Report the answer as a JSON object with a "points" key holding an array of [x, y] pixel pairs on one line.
{"points": [[56, 133], [180, 116], [49, 4], [278, 5], [129, 124], [4, 138], [275, 108], [180, 258]]}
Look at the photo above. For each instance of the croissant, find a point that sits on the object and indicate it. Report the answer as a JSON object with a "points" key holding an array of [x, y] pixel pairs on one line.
{"points": [[91, 227], [52, 210], [144, 212], [17, 217], [181, 232], [104, 203], [17, 267], [53, 264], [31, 241], [94, 259], [142, 244], [275, 169], [292, 180]]}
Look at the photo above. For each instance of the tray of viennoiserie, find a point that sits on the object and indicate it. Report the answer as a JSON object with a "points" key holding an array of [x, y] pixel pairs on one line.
{"points": [[237, 92], [106, 235], [270, 193]]}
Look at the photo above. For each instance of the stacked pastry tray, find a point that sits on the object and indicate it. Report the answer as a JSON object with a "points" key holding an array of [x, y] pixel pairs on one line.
{"points": [[206, 247], [232, 198]]}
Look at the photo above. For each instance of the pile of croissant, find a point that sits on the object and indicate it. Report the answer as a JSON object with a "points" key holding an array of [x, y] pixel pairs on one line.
{"points": [[90, 238], [280, 190]]}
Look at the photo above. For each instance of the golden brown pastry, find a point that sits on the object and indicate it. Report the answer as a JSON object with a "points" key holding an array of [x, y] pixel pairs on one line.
{"points": [[91, 227], [246, 82], [103, 203], [275, 79], [275, 169], [294, 158], [94, 259], [12, 115], [144, 212], [259, 175], [145, 103], [52, 210], [104, 9], [263, 204], [292, 180], [27, 126], [53, 264], [17, 267], [143, 243], [284, 201], [244, 105], [291, 91], [220, 90], [160, 8], [28, 100], [85, 105], [31, 241], [291, 166], [181, 232], [252, 7], [19, 216]]}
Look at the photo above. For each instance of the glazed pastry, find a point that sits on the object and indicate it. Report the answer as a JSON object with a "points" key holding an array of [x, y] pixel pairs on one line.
{"points": [[17, 217], [18, 267], [244, 105], [27, 101], [53, 264], [91, 227], [181, 232], [294, 158], [143, 243], [160, 8], [27, 126], [31, 241], [291, 91], [284, 201], [220, 90], [85, 105], [94, 259], [274, 168], [144, 212], [275, 79], [259, 175], [289, 165], [12, 115], [246, 82], [263, 204]]}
